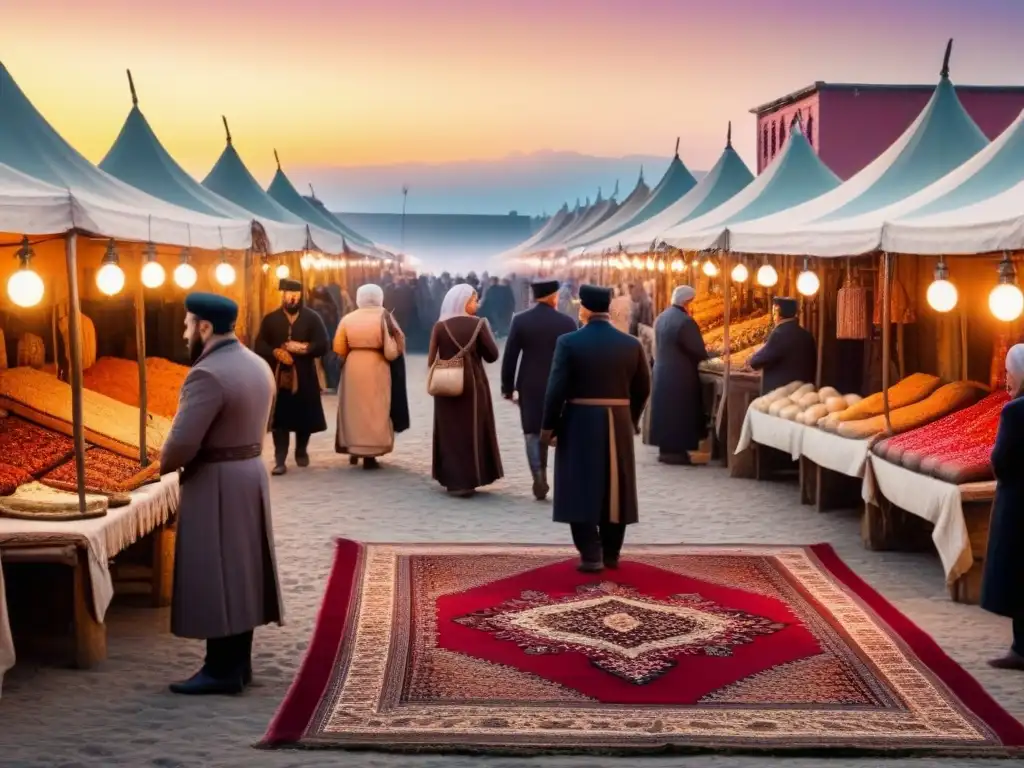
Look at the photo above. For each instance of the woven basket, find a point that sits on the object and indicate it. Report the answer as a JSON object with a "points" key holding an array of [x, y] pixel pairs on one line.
{"points": [[852, 311], [31, 351], [37, 502]]}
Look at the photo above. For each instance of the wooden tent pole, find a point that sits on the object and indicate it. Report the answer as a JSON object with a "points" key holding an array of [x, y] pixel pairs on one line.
{"points": [[726, 373], [140, 355], [822, 305], [75, 363], [886, 339]]}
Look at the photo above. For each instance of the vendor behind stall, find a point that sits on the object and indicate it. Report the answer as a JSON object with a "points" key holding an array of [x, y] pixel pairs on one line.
{"points": [[790, 354]]}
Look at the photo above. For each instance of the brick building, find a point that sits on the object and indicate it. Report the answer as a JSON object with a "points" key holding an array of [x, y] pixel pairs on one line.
{"points": [[850, 124]]}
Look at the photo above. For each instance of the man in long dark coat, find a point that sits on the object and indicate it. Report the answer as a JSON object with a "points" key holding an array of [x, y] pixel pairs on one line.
{"points": [[597, 390], [790, 353], [677, 405], [290, 340], [225, 574], [498, 306], [531, 347]]}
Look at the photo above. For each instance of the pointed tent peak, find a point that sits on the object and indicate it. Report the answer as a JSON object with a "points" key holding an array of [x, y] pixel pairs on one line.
{"points": [[640, 180], [678, 138], [577, 203], [600, 198], [728, 135], [227, 131], [796, 125], [312, 192], [615, 192], [131, 87], [277, 160], [944, 74]]}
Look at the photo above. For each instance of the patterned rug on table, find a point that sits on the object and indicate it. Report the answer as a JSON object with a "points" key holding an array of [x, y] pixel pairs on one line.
{"points": [[505, 649]]}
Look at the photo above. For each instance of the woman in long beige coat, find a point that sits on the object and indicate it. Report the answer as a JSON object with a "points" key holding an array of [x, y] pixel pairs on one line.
{"points": [[367, 340]]}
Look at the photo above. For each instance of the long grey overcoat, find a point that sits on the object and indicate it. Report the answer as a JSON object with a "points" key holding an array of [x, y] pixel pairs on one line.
{"points": [[225, 572], [677, 406]]}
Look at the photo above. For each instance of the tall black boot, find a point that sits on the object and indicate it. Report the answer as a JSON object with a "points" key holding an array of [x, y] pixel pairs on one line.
{"points": [[540, 485]]}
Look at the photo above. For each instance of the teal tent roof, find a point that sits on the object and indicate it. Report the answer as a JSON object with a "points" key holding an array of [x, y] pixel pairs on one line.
{"points": [[675, 183], [597, 214], [555, 237], [727, 178], [629, 207], [795, 176], [138, 158], [550, 228], [230, 178], [355, 236], [282, 191]]}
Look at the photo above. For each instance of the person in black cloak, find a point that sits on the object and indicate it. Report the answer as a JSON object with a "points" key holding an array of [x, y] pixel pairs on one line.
{"points": [[405, 308], [525, 368], [790, 353], [291, 339], [500, 305], [321, 302], [596, 393], [677, 403]]}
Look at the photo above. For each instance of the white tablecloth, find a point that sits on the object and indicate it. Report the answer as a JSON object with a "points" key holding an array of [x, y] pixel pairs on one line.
{"points": [[936, 501], [771, 431], [840, 454], [152, 506]]}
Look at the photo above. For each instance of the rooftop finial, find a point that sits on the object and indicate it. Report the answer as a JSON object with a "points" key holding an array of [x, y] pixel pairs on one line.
{"points": [[599, 198], [641, 179], [615, 192], [131, 87], [728, 135], [945, 60], [677, 146], [277, 160], [226, 129], [311, 190]]}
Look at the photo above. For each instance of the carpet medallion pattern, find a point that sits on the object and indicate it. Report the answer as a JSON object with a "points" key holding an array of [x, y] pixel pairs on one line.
{"points": [[508, 649]]}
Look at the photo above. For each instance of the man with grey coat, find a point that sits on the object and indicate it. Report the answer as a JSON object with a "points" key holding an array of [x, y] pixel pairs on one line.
{"points": [[225, 573]]}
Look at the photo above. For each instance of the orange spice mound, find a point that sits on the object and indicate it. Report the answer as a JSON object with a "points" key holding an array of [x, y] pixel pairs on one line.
{"points": [[119, 379]]}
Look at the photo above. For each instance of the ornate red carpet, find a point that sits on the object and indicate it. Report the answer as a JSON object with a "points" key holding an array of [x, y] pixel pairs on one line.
{"points": [[508, 649]]}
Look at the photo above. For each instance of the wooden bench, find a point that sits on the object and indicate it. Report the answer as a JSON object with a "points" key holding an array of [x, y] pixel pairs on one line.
{"points": [[885, 527], [827, 490], [67, 602]]}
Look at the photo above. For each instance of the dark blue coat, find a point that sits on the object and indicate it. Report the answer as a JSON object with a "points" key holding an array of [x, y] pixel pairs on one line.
{"points": [[594, 455], [531, 348], [789, 355], [677, 403], [1002, 590]]}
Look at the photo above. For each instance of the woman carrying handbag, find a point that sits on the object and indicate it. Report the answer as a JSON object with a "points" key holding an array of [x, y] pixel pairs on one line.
{"points": [[466, 455]]}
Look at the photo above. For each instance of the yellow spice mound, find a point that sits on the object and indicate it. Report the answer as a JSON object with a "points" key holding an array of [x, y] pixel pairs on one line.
{"points": [[119, 379]]}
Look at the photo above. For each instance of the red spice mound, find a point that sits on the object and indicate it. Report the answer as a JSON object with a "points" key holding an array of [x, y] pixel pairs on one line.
{"points": [[105, 472], [11, 478], [32, 448]]}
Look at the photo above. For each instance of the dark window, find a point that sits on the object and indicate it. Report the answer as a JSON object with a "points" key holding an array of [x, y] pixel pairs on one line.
{"points": [[764, 143], [782, 133], [773, 139], [810, 130]]}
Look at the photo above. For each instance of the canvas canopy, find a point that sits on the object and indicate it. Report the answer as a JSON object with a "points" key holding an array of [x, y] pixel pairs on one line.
{"points": [[599, 212], [29, 144], [621, 218], [794, 176], [551, 227], [727, 177], [849, 219]]}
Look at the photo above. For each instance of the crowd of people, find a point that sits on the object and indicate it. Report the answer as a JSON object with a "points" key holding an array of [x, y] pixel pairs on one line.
{"points": [[577, 370]]}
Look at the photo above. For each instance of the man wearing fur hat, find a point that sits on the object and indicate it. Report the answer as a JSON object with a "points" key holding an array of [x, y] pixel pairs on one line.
{"points": [[291, 339], [790, 353], [525, 367]]}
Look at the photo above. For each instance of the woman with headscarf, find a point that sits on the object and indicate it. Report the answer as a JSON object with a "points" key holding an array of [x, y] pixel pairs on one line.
{"points": [[368, 341], [1002, 588], [677, 405], [466, 455]]}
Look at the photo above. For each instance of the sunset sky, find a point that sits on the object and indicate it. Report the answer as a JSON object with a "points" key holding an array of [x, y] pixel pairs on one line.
{"points": [[336, 83]]}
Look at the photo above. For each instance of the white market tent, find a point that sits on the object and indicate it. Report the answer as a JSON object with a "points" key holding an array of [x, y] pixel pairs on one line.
{"points": [[592, 216], [727, 178], [30, 145], [626, 213], [551, 227], [849, 220], [794, 176]]}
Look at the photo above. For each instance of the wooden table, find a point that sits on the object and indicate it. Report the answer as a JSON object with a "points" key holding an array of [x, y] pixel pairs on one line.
{"points": [[744, 388]]}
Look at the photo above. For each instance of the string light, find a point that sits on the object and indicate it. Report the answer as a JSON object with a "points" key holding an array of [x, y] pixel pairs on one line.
{"points": [[767, 277], [25, 287], [807, 282], [740, 273], [110, 277], [1006, 300], [709, 268], [153, 273], [224, 272], [185, 274], [942, 295], [282, 272]]}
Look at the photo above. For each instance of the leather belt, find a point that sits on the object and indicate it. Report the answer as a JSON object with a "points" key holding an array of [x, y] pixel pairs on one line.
{"points": [[235, 453], [601, 402]]}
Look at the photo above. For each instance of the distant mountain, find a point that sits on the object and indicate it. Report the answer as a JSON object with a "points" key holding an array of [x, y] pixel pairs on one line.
{"points": [[530, 184]]}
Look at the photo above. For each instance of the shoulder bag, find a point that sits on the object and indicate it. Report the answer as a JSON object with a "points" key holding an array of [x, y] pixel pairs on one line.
{"points": [[447, 378]]}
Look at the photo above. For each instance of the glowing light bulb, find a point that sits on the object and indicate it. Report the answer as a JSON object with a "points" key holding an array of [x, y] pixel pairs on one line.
{"points": [[110, 279], [677, 265], [25, 287], [225, 273], [1006, 302], [265, 267], [282, 272], [807, 283], [637, 262], [710, 268], [153, 274], [767, 276], [740, 273], [185, 275], [650, 263], [942, 296]]}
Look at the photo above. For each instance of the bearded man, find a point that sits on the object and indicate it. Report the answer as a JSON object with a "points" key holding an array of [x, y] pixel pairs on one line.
{"points": [[225, 573], [290, 340]]}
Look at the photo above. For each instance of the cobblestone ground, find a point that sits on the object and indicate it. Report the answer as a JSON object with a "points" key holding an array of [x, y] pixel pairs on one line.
{"points": [[122, 715]]}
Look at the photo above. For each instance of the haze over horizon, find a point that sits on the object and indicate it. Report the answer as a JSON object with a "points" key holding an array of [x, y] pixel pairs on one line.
{"points": [[491, 86]]}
